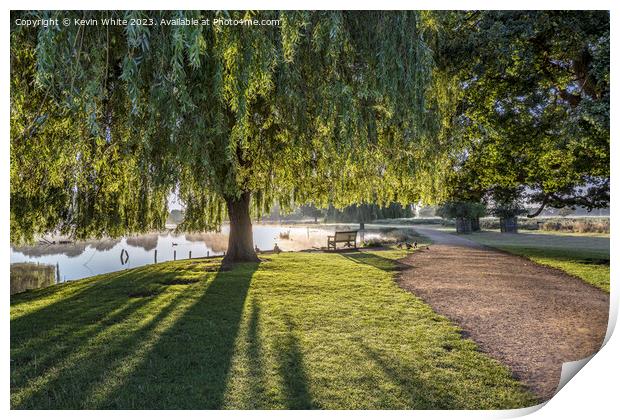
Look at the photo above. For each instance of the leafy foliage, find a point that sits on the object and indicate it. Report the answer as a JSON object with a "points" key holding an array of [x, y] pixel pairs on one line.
{"points": [[533, 108], [461, 209], [368, 212], [327, 107], [508, 210], [309, 210]]}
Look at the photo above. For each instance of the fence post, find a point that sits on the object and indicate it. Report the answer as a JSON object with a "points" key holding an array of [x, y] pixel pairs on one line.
{"points": [[155, 256], [175, 254], [190, 254]]}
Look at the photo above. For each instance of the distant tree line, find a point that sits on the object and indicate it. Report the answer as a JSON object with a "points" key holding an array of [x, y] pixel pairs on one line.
{"points": [[350, 214], [368, 212]]}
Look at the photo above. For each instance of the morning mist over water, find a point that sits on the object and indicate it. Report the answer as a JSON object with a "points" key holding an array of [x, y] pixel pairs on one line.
{"points": [[82, 259]]}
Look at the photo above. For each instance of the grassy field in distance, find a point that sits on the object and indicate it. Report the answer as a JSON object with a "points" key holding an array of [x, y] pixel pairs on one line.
{"points": [[583, 255]]}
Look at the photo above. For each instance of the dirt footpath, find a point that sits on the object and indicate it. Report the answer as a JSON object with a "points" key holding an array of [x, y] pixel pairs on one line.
{"points": [[531, 318]]}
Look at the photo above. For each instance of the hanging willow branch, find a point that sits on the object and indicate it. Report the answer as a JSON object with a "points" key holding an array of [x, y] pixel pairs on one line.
{"points": [[328, 107]]}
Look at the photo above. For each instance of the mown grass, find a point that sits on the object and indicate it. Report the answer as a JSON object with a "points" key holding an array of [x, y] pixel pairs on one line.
{"points": [[586, 257], [299, 330]]}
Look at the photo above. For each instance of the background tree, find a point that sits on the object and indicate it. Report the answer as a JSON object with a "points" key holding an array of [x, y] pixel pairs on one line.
{"points": [[466, 214], [309, 210], [327, 107], [533, 104], [361, 213], [507, 205]]}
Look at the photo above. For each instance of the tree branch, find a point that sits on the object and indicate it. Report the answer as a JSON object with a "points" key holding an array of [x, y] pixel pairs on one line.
{"points": [[540, 209]]}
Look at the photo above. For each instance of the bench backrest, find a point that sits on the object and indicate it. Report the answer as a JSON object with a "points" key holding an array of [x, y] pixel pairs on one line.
{"points": [[345, 236]]}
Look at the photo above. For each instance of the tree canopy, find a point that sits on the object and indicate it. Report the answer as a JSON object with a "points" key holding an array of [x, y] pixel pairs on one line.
{"points": [[325, 107], [532, 119], [310, 108]]}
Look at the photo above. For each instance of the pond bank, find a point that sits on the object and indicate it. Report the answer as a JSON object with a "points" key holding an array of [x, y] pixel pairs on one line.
{"points": [[88, 258]]}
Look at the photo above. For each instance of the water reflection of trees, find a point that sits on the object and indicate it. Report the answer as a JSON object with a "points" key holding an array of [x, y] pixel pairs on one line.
{"points": [[70, 250], [301, 238], [73, 249], [104, 244], [218, 242], [148, 241]]}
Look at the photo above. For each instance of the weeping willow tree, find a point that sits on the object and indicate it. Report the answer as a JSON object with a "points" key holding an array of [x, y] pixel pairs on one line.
{"points": [[318, 107]]}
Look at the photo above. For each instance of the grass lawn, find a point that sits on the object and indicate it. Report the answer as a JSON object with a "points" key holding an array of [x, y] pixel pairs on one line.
{"points": [[583, 256], [300, 330]]}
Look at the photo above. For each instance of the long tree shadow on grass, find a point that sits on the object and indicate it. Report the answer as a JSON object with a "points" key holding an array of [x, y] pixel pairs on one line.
{"points": [[290, 367], [188, 332], [67, 345], [188, 366], [373, 260], [255, 357], [77, 308], [292, 370], [44, 339], [420, 393], [443, 390], [80, 295]]}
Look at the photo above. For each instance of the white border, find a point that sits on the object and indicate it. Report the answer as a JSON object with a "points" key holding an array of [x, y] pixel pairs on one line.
{"points": [[591, 394]]}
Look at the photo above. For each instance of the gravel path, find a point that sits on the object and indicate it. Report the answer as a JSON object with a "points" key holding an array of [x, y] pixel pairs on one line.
{"points": [[531, 318]]}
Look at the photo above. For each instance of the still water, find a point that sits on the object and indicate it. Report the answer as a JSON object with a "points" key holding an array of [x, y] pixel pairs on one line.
{"points": [[84, 259]]}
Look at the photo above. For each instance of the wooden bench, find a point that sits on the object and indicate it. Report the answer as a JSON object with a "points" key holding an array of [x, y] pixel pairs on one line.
{"points": [[349, 238]]}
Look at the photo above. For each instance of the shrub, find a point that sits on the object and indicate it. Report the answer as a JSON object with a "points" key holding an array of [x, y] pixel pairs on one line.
{"points": [[508, 210], [377, 242], [552, 224], [581, 225]]}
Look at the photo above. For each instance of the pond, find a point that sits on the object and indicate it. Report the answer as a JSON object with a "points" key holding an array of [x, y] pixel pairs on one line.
{"points": [[77, 260]]}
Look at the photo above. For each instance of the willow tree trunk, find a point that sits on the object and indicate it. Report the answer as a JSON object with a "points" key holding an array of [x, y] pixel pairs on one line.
{"points": [[240, 240]]}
